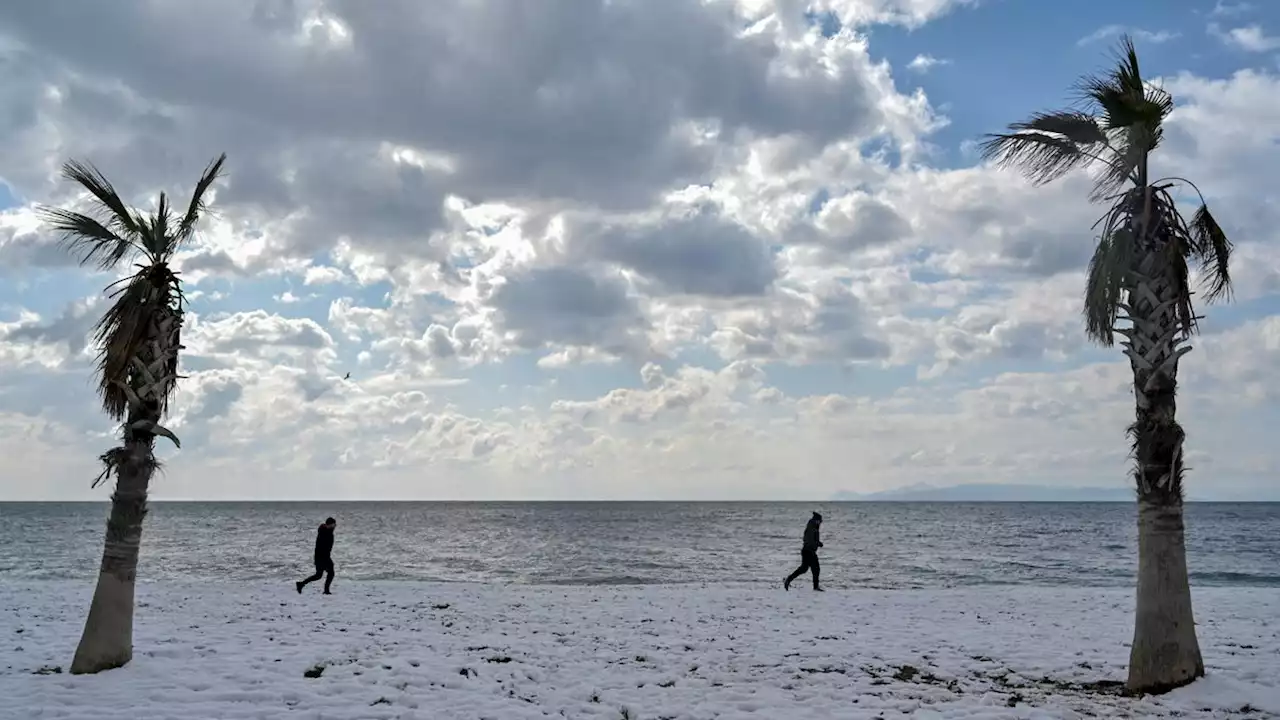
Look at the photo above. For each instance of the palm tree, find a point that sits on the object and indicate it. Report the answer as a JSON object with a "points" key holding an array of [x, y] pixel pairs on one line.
{"points": [[139, 338], [1139, 275]]}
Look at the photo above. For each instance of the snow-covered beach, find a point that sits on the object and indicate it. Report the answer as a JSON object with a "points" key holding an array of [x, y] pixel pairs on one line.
{"points": [[408, 650]]}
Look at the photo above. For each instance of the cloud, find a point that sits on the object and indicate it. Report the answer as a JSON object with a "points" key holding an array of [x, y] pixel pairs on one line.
{"points": [[1250, 38], [255, 334], [1106, 32], [925, 63], [627, 249], [24, 244], [693, 253], [1228, 9], [1224, 132], [572, 95], [564, 306], [323, 275], [71, 329]]}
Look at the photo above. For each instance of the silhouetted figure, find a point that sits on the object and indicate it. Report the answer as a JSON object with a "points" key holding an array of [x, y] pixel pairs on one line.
{"points": [[808, 554], [324, 557], [347, 376]]}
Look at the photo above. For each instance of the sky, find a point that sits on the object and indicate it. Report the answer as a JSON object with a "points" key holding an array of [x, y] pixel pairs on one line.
{"points": [[627, 249]]}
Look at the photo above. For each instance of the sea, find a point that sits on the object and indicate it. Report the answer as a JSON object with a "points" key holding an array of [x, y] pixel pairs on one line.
{"points": [[866, 544]]}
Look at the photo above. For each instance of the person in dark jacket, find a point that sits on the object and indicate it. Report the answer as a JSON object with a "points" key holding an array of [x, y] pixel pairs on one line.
{"points": [[324, 556], [808, 553]]}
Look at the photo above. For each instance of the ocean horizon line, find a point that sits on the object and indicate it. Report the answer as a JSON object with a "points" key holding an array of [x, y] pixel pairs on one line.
{"points": [[588, 501]]}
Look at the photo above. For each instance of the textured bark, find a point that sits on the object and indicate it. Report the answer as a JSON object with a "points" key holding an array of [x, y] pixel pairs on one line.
{"points": [[107, 640], [1165, 653], [1154, 348]]}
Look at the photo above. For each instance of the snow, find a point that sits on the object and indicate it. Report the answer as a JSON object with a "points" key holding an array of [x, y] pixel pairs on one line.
{"points": [[406, 650]]}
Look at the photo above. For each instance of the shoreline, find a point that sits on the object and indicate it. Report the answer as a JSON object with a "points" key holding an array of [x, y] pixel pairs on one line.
{"points": [[538, 501], [403, 649], [1199, 582]]}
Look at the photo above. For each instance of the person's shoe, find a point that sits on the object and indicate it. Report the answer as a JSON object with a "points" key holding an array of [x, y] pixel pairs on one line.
{"points": [[299, 586], [786, 583], [819, 590], [326, 592]]}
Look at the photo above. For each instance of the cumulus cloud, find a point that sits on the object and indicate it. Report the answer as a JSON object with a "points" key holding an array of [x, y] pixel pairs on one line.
{"points": [[644, 248], [692, 253], [71, 329], [1250, 38], [565, 306], [600, 103], [24, 244], [247, 330]]}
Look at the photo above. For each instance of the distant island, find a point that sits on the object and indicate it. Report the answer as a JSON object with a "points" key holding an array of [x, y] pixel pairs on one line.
{"points": [[991, 492]]}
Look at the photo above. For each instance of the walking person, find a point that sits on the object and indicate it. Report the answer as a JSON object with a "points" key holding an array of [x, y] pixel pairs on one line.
{"points": [[324, 556], [808, 554]]}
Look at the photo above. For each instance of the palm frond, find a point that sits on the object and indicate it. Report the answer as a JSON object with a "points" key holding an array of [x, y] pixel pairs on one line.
{"points": [[1078, 127], [197, 206], [1187, 318], [1105, 282], [1212, 250], [158, 240], [1127, 72], [120, 334], [140, 301], [1126, 159], [1144, 103], [1040, 156], [123, 221], [139, 304], [1116, 124], [1115, 92], [1167, 222], [87, 238], [1157, 104], [1143, 120], [1132, 111]]}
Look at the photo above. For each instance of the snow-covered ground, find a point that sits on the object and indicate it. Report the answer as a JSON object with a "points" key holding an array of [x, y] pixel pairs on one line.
{"points": [[387, 650]]}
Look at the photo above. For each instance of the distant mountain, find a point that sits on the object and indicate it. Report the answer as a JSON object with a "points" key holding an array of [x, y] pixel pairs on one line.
{"points": [[991, 492]]}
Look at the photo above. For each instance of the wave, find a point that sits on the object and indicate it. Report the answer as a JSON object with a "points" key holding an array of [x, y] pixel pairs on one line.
{"points": [[1235, 578], [609, 580]]}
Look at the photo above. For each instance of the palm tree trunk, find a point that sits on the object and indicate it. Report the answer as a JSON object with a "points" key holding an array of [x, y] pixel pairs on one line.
{"points": [[1165, 653], [107, 641]]}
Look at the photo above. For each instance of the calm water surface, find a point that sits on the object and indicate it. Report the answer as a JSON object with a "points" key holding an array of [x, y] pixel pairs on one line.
{"points": [[883, 545]]}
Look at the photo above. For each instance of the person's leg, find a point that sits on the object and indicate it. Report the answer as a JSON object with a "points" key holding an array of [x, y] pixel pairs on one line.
{"points": [[804, 567], [817, 570], [313, 578], [328, 577]]}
